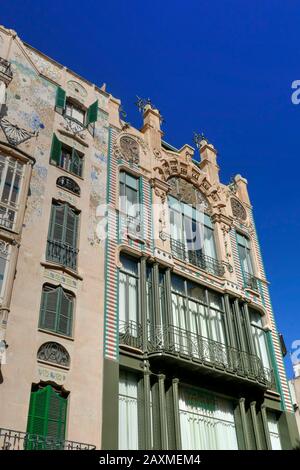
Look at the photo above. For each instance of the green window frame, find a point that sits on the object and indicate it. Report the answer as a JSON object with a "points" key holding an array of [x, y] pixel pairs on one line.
{"points": [[56, 311], [129, 280], [63, 235], [65, 157], [46, 425]]}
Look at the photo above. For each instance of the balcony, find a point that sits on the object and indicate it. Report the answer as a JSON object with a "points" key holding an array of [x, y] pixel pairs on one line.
{"points": [[62, 253], [173, 343], [251, 282], [5, 70], [208, 264], [17, 440], [131, 334]]}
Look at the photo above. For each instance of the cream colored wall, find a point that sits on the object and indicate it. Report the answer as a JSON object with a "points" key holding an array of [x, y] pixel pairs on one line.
{"points": [[84, 379]]}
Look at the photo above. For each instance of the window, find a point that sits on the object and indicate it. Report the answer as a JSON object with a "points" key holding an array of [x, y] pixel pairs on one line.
{"points": [[198, 316], [129, 194], [46, 420], [56, 313], [76, 116], [69, 184], [4, 264], [245, 253], [129, 200], [11, 176], [65, 157], [128, 411], [259, 337], [128, 297], [63, 235], [274, 430], [206, 421], [54, 353], [74, 112], [192, 234]]}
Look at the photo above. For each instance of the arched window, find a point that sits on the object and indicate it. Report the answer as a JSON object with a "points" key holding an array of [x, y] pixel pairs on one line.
{"points": [[191, 227], [54, 353], [67, 183], [56, 313]]}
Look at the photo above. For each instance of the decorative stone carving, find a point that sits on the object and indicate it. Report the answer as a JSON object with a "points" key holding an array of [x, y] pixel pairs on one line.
{"points": [[187, 192], [238, 210], [15, 135], [76, 89], [130, 149], [54, 353]]}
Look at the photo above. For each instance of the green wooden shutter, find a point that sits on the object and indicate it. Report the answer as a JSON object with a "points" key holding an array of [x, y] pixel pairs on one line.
{"points": [[76, 163], [71, 228], [37, 419], [55, 153], [57, 222], [92, 113], [60, 103], [49, 308], [47, 419], [64, 325], [56, 419]]}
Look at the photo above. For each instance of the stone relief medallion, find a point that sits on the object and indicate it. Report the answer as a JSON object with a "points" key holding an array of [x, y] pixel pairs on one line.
{"points": [[76, 89], [130, 149], [238, 209]]}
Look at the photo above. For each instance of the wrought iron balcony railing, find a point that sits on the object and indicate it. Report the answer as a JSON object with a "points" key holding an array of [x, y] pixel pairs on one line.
{"points": [[17, 440], [62, 253], [206, 351], [250, 281], [175, 341], [5, 68], [130, 334], [207, 263]]}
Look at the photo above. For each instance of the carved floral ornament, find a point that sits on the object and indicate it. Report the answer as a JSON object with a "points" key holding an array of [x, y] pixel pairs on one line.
{"points": [[238, 209], [128, 148], [171, 168]]}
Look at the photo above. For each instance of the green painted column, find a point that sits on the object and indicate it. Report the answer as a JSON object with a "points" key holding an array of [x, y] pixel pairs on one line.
{"points": [[155, 289], [175, 383], [248, 328], [239, 324], [110, 401], [255, 425], [230, 326], [244, 423], [147, 411], [143, 303], [168, 297], [265, 426], [162, 412]]}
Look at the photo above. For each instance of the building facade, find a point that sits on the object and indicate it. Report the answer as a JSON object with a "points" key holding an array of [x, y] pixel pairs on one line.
{"points": [[295, 392], [192, 354], [53, 153], [135, 311]]}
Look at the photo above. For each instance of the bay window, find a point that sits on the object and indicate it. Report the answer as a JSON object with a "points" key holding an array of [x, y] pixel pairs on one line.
{"points": [[259, 337], [198, 317], [206, 421], [192, 235], [11, 176]]}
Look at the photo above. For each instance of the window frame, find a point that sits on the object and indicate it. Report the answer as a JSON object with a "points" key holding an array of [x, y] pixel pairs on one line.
{"points": [[17, 168]]}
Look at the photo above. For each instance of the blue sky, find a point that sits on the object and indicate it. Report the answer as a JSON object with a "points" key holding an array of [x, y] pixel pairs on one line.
{"points": [[222, 67]]}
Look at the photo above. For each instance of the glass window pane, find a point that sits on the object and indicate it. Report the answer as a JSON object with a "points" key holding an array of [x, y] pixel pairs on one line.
{"points": [[128, 411]]}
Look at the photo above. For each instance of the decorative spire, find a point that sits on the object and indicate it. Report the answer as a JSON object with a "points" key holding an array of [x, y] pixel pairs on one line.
{"points": [[198, 139]]}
